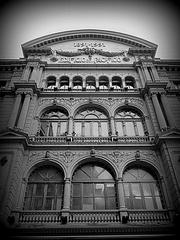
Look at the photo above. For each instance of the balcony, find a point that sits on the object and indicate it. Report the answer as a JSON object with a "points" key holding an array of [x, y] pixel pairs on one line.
{"points": [[63, 140], [93, 216]]}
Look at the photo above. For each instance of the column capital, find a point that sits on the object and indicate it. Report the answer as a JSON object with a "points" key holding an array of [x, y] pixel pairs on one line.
{"points": [[119, 180], [67, 180]]}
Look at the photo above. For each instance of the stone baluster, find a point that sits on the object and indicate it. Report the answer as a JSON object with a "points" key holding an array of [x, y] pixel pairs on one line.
{"points": [[15, 110], [159, 113], [167, 110], [24, 110]]}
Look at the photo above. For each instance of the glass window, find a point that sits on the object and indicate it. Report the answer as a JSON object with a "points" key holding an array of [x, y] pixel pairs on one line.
{"points": [[91, 123], [94, 187], [141, 190], [53, 123], [129, 123], [44, 189]]}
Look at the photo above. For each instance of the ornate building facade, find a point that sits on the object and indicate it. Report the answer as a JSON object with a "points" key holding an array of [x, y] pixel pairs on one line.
{"points": [[90, 138]]}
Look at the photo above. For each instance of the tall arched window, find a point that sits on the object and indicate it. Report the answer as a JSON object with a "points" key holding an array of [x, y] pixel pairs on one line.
{"points": [[53, 123], [129, 123], [44, 189], [93, 187], [141, 190], [91, 122]]}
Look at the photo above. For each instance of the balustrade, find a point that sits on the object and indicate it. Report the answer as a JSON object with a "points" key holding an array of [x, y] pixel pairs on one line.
{"points": [[95, 216]]}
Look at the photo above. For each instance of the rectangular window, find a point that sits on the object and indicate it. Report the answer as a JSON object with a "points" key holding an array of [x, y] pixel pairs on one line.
{"points": [[130, 129], [140, 128], [94, 130], [104, 129]]}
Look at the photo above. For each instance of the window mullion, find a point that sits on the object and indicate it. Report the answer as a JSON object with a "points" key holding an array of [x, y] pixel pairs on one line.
{"points": [[44, 195]]}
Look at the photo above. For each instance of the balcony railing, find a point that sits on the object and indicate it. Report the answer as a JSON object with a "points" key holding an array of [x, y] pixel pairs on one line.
{"points": [[95, 216], [84, 140]]}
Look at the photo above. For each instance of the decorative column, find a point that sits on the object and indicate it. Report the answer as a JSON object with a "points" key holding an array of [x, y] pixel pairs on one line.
{"points": [[84, 84], [66, 200], [97, 84], [148, 77], [155, 73], [141, 76], [113, 133], [151, 112], [110, 84], [70, 83], [123, 82], [15, 110], [167, 110], [34, 74], [121, 199], [26, 73], [70, 126], [159, 112], [24, 110]]}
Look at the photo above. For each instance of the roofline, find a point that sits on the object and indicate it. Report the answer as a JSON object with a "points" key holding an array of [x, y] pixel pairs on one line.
{"points": [[91, 33]]}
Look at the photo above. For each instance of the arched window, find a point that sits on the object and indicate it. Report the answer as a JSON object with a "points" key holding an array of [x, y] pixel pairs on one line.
{"points": [[141, 190], [130, 82], [44, 189], [116, 82], [64, 82], [77, 82], [129, 123], [103, 83], [51, 82], [93, 187], [53, 123], [91, 122], [90, 83]]}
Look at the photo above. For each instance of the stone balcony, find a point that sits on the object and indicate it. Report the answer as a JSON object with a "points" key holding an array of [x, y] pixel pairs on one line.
{"points": [[94, 216]]}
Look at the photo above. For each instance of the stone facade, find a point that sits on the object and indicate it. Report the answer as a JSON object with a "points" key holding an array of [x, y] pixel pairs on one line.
{"points": [[89, 70]]}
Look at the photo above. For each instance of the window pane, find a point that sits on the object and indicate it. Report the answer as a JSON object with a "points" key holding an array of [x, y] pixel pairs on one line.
{"points": [[146, 189], [87, 189], [149, 203], [104, 129], [27, 205], [62, 128], [135, 189], [99, 189], [155, 189], [110, 203], [130, 129], [51, 190], [59, 189], [39, 189], [140, 128], [95, 132], [110, 190], [87, 203], [126, 189], [54, 128], [105, 175], [38, 203], [128, 203], [29, 191], [87, 129], [99, 203], [49, 204], [77, 128], [76, 203], [119, 128], [58, 204], [137, 203], [158, 202], [76, 189]]}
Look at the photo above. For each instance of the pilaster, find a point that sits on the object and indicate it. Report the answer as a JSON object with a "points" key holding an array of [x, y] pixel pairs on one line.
{"points": [[15, 110]]}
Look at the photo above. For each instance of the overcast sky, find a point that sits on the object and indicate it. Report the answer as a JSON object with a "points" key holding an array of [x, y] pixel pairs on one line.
{"points": [[155, 20]]}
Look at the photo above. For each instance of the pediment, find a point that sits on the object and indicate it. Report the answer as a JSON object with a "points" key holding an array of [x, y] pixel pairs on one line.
{"points": [[88, 46]]}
